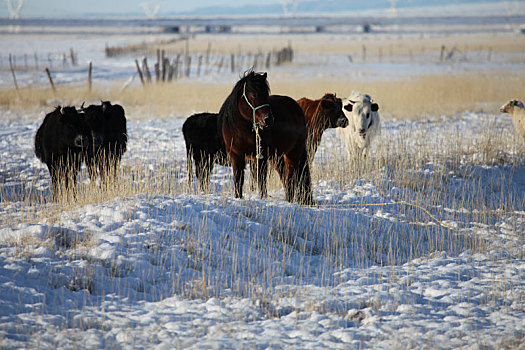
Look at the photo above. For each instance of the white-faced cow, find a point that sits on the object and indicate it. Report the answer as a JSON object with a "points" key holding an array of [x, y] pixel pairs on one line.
{"points": [[60, 143], [363, 124]]}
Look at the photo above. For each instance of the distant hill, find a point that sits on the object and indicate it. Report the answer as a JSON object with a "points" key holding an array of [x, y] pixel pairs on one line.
{"points": [[322, 7]]}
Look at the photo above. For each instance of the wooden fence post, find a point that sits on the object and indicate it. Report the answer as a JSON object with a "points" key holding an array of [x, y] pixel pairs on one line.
{"points": [[145, 69], [176, 67], [170, 69], [13, 71], [199, 66], [157, 72], [232, 62], [162, 67], [73, 58], [165, 68], [50, 80], [90, 69], [220, 64], [208, 53], [139, 72], [188, 66]]}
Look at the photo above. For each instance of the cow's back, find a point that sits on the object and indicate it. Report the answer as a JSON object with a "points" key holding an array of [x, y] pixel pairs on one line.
{"points": [[46, 140], [309, 108], [201, 132]]}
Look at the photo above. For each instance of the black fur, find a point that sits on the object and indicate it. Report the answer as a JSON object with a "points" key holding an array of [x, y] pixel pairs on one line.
{"points": [[108, 126], [60, 143], [205, 145]]}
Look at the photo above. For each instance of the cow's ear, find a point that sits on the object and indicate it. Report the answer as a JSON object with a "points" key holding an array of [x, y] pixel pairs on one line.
{"points": [[348, 107], [375, 107], [265, 74], [105, 106]]}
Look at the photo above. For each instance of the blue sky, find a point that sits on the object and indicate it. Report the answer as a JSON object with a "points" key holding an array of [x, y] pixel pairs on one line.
{"points": [[77, 8], [112, 8]]}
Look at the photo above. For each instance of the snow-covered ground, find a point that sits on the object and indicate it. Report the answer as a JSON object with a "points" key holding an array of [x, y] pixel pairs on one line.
{"points": [[187, 270], [174, 268]]}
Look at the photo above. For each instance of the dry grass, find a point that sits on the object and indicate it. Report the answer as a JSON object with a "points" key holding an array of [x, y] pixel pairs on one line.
{"points": [[321, 44], [424, 95], [411, 98]]}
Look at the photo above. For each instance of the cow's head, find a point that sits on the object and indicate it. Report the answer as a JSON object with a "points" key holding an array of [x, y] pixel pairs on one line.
{"points": [[113, 113], [332, 109], [95, 120], [360, 111], [509, 106], [73, 131]]}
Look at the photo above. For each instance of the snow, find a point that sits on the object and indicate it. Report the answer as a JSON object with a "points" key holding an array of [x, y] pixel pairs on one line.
{"points": [[194, 270], [169, 267]]}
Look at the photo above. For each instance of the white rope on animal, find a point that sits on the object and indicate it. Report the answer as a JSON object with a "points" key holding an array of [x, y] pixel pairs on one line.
{"points": [[258, 147]]}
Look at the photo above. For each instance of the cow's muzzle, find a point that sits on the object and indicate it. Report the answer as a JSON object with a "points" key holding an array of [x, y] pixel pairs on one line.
{"points": [[342, 122], [81, 141]]}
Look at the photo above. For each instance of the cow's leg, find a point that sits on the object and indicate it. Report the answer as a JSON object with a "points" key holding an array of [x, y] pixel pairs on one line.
{"points": [[68, 179], [202, 168], [364, 153], [189, 160], [116, 168], [92, 169], [74, 169], [104, 168], [303, 181], [290, 172], [284, 166], [238, 165], [55, 183]]}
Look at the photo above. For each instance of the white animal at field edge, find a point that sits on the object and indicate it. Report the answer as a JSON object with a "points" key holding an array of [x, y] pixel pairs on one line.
{"points": [[364, 124], [516, 109]]}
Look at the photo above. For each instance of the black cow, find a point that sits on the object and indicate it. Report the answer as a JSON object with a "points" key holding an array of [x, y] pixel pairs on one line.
{"points": [[205, 145], [108, 125], [60, 143]]}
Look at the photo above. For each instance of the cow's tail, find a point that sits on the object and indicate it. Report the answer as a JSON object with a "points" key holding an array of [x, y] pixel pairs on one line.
{"points": [[38, 145], [189, 161]]}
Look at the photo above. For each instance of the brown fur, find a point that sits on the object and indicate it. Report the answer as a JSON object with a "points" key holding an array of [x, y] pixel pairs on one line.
{"points": [[326, 112]]}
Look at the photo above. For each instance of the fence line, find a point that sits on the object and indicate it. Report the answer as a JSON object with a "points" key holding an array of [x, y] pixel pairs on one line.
{"points": [[167, 69]]}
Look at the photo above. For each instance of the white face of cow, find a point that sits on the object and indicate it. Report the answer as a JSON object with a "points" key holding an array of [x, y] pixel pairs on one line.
{"points": [[359, 109]]}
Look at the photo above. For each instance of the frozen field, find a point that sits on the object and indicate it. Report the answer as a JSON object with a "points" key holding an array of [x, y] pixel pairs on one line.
{"points": [[161, 265], [190, 270]]}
